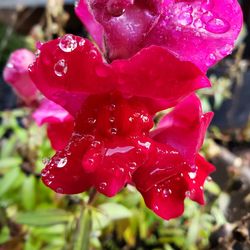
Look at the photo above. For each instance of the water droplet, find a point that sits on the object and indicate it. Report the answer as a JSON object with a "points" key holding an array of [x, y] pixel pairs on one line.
{"points": [[95, 144], [67, 43], [192, 175], [211, 59], [91, 120], [132, 165], [51, 177], [185, 18], [122, 170], [59, 190], [112, 119], [156, 208], [217, 26], [166, 192], [144, 118], [209, 179], [45, 172], [103, 185], [207, 16], [62, 162], [116, 7], [61, 68], [188, 193], [39, 45], [46, 161], [93, 53], [226, 50], [37, 53], [77, 3], [198, 23], [113, 131], [82, 42], [10, 65]]}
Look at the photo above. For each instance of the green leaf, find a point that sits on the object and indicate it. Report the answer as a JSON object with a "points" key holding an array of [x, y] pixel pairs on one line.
{"points": [[115, 211], [43, 218], [8, 180], [10, 162], [28, 193], [83, 230]]}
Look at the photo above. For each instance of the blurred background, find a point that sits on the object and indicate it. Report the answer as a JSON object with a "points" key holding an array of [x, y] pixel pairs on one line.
{"points": [[32, 217]]}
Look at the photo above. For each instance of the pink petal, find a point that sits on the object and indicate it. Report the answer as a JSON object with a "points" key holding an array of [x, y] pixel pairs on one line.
{"points": [[209, 27], [50, 112], [184, 128], [16, 74], [95, 29], [200, 31]]}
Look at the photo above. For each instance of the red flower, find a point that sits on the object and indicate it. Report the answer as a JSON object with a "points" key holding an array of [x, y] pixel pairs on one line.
{"points": [[184, 130], [113, 106], [200, 31]]}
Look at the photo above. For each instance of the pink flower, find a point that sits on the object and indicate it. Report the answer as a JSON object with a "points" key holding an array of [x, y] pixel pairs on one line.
{"points": [[164, 191], [16, 74], [59, 123], [113, 106], [184, 27]]}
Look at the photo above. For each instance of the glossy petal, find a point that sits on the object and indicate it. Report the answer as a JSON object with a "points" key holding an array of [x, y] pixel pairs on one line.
{"points": [[16, 74], [64, 173], [183, 27], [95, 29], [184, 128], [153, 74]]}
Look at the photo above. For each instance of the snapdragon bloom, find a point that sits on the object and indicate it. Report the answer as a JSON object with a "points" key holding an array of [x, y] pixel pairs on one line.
{"points": [[16, 74], [59, 122], [113, 106], [123, 27]]}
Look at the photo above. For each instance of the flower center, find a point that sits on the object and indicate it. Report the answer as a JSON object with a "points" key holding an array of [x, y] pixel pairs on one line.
{"points": [[111, 114]]}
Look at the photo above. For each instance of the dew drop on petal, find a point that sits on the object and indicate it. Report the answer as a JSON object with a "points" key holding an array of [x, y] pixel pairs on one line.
{"points": [[185, 18], [217, 26], [60, 68], [188, 193], [91, 120], [46, 161], [113, 131], [103, 185], [226, 50], [67, 43], [93, 54], [166, 192], [82, 43], [211, 59], [62, 162]]}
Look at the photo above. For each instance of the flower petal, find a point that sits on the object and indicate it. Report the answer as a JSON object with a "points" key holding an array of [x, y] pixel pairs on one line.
{"points": [[95, 29], [184, 128], [155, 73], [166, 199], [64, 173], [68, 69], [183, 27], [16, 74], [196, 179]]}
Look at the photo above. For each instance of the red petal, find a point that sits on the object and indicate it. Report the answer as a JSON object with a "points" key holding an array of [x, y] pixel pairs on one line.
{"points": [[155, 73], [166, 199], [68, 68], [184, 128], [64, 173]]}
